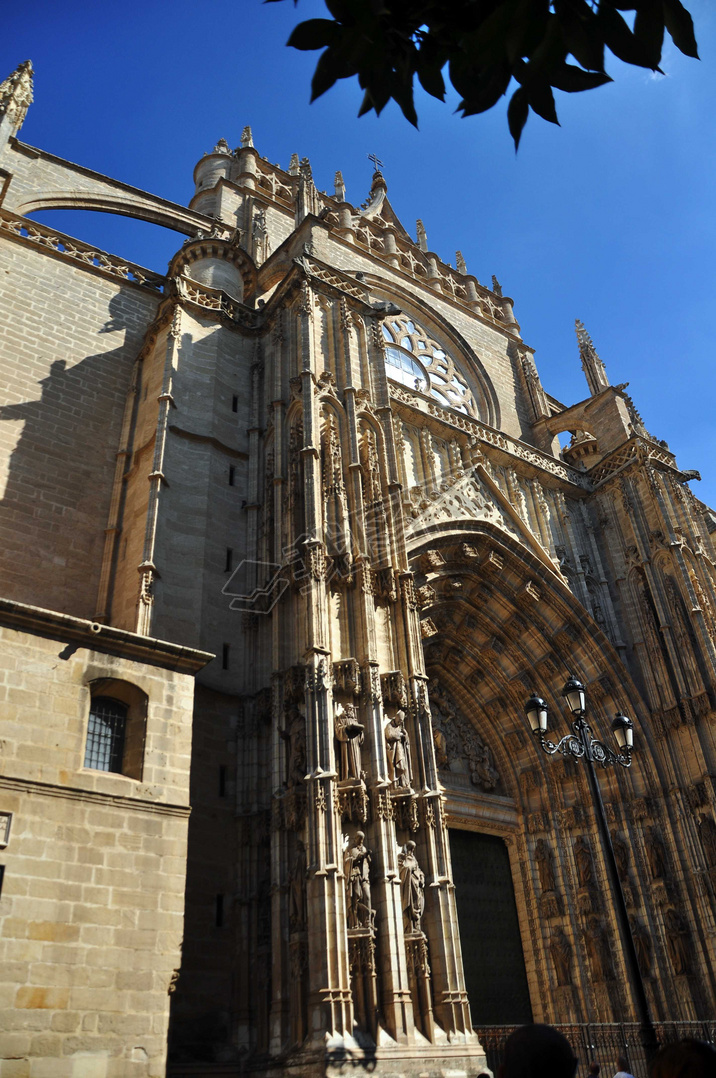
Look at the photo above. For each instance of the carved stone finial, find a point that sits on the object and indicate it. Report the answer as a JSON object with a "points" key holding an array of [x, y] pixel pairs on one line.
{"points": [[422, 236], [247, 139], [305, 170], [16, 96], [340, 187], [222, 146], [293, 166], [496, 286], [460, 263], [593, 367]]}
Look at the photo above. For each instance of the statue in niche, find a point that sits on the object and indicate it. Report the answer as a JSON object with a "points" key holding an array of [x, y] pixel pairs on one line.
{"points": [[297, 889], [561, 951], [707, 834], [597, 949], [585, 865], [642, 946], [356, 865], [441, 749], [412, 887], [371, 470], [677, 941], [655, 855], [545, 866], [294, 734], [621, 855], [398, 746], [349, 734]]}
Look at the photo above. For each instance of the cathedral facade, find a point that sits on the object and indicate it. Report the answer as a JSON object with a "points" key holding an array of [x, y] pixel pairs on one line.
{"points": [[287, 539]]}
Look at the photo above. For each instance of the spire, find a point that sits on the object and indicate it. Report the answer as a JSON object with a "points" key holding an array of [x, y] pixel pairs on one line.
{"points": [[594, 370], [496, 286], [340, 187], [247, 139], [460, 263], [422, 236], [15, 100], [294, 166]]}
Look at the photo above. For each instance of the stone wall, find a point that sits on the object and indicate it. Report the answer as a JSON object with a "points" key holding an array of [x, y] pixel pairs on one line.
{"points": [[92, 905], [68, 339]]}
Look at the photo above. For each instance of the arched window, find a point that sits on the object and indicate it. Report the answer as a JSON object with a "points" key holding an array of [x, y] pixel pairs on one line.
{"points": [[116, 727], [105, 734], [413, 358]]}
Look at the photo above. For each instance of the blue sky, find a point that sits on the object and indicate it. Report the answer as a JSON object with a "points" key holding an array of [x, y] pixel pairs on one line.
{"points": [[608, 218]]}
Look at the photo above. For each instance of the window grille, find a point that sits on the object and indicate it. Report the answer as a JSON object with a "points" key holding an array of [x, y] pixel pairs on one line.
{"points": [[105, 734]]}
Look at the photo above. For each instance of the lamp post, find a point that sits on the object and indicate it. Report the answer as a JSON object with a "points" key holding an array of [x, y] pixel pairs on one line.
{"points": [[580, 744]]}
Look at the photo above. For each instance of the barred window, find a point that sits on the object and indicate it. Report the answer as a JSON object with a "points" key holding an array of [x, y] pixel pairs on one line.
{"points": [[105, 734]]}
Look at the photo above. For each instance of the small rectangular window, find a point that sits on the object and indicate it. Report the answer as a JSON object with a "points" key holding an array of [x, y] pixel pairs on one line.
{"points": [[219, 911], [232, 475], [234, 403], [229, 560], [222, 781], [225, 657]]}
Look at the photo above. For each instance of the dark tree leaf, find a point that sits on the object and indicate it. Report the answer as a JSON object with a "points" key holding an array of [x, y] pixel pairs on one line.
{"points": [[313, 34], [484, 44], [517, 113], [541, 99], [649, 28], [622, 42], [573, 79], [681, 27]]}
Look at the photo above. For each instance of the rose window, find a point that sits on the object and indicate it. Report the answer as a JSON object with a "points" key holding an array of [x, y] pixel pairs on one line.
{"points": [[413, 358]]}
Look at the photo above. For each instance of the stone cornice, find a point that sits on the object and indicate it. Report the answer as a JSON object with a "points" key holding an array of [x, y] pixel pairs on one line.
{"points": [[97, 637], [409, 403], [77, 793]]}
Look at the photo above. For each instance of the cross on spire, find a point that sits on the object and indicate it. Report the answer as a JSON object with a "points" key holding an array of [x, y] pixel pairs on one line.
{"points": [[377, 163]]}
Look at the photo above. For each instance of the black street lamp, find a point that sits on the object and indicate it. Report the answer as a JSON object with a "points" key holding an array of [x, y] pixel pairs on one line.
{"points": [[580, 744]]}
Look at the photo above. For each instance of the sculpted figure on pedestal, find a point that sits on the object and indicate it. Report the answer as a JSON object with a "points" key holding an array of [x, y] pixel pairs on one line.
{"points": [[598, 950], [545, 866], [561, 951], [677, 941], [398, 746], [297, 889], [707, 834], [412, 887], [349, 734], [294, 734], [585, 866], [655, 855], [356, 865]]}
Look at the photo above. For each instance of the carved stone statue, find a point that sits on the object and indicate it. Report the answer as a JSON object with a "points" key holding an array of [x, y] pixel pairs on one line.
{"points": [[677, 941], [598, 949], [412, 887], [349, 734], [545, 866], [707, 834], [297, 889], [294, 733], [561, 951], [441, 749], [642, 946], [398, 746], [357, 872], [585, 865], [655, 855], [621, 855]]}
